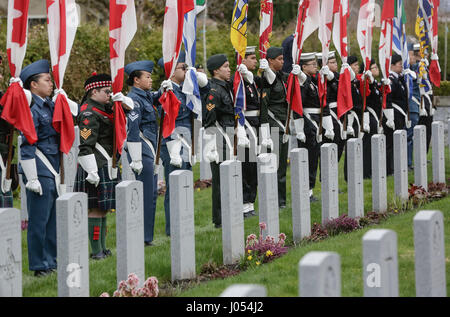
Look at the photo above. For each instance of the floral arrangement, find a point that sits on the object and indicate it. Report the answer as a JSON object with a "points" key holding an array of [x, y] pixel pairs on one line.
{"points": [[259, 250], [129, 288]]}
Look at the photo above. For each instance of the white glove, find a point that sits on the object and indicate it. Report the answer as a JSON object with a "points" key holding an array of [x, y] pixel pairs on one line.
{"points": [[366, 126], [389, 114], [432, 111], [89, 164], [386, 81], [268, 73], [327, 123], [410, 72], [296, 69], [210, 148], [127, 102], [174, 148], [202, 79], [167, 85], [423, 112], [248, 76], [352, 73], [266, 141], [73, 106], [6, 184], [30, 171], [325, 71], [135, 151], [285, 138], [243, 140], [425, 61], [28, 94], [299, 129], [368, 74], [263, 64]]}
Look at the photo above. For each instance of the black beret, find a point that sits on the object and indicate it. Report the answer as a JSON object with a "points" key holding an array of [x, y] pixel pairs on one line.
{"points": [[352, 59], [97, 81], [216, 61], [274, 52], [395, 59]]}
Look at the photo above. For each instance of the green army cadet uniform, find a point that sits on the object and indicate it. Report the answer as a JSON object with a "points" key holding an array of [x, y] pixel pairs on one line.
{"points": [[274, 109], [219, 116]]}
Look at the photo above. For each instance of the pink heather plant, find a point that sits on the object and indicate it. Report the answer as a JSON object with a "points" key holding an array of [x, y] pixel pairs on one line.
{"points": [[129, 288], [263, 250]]}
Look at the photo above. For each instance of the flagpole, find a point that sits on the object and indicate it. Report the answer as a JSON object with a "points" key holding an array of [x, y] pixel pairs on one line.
{"points": [[364, 105], [204, 34], [10, 150]]}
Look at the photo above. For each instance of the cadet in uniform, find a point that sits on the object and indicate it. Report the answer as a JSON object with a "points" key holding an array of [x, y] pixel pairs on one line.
{"points": [[331, 71], [373, 110], [142, 137], [219, 116], [396, 109], [176, 150], [39, 165], [252, 97], [311, 111], [95, 175], [6, 196], [414, 100], [274, 109]]}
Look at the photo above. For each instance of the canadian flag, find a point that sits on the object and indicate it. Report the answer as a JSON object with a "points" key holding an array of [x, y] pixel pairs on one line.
{"points": [[385, 48], [15, 102], [265, 26], [435, 69], [122, 27], [62, 19], [365, 30]]}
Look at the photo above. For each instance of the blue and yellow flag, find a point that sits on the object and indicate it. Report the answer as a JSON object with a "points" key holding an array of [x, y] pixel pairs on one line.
{"points": [[238, 32]]}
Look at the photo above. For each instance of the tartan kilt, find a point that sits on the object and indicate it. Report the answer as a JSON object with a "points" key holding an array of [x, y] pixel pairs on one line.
{"points": [[103, 196], [6, 200]]}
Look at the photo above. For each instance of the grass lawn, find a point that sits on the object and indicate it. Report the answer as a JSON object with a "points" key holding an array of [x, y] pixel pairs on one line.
{"points": [[209, 249]]}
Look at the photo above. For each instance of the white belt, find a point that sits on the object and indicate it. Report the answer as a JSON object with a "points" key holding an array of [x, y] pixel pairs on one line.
{"points": [[353, 116], [188, 146], [314, 123], [147, 141], [252, 132], [60, 188], [251, 113], [415, 100], [333, 105], [227, 139], [341, 126], [311, 110], [407, 123], [374, 114], [112, 172], [276, 120]]}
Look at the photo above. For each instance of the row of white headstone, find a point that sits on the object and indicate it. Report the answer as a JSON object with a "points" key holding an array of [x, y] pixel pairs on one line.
{"points": [[319, 273], [73, 275]]}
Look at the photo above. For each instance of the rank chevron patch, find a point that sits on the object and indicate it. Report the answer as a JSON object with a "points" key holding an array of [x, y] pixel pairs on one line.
{"points": [[85, 133]]}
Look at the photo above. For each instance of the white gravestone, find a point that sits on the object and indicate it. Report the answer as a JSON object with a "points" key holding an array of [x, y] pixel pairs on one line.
{"points": [[244, 290], [355, 178], [71, 162], [329, 177], [182, 231], [320, 275], [420, 156], [232, 205], [379, 191], [380, 265], [10, 253], [429, 254], [268, 194], [301, 211], [401, 165], [127, 172], [437, 145], [130, 230], [72, 245]]}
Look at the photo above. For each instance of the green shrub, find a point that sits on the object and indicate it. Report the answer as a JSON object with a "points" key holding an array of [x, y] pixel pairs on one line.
{"points": [[444, 90]]}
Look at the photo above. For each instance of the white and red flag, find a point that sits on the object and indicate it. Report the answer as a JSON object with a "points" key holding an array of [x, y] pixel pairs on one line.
{"points": [[340, 40], [62, 19], [364, 30], [122, 27], [265, 26], [171, 45], [16, 104], [385, 48], [325, 31], [435, 69]]}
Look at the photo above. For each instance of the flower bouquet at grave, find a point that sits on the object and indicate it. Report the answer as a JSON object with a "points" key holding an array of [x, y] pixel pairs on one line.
{"points": [[259, 250], [129, 288]]}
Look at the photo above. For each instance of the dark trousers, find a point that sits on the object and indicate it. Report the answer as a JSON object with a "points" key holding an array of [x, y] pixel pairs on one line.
{"points": [[216, 204], [414, 117], [41, 235], [313, 151], [150, 184], [427, 122], [249, 179], [169, 168]]}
